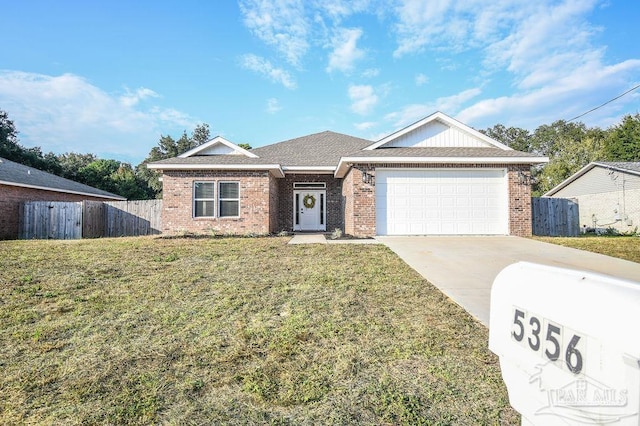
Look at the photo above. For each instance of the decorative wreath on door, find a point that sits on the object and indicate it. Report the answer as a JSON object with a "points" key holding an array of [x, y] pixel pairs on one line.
{"points": [[309, 201]]}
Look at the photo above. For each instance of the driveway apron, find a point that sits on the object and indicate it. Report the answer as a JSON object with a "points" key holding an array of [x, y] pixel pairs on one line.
{"points": [[464, 268]]}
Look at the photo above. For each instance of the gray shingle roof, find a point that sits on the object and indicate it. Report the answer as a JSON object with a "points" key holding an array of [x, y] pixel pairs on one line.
{"points": [[435, 152], [621, 165], [327, 148], [20, 175], [318, 149]]}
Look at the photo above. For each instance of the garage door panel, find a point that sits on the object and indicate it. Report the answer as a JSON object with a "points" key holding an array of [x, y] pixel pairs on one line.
{"points": [[452, 201]]}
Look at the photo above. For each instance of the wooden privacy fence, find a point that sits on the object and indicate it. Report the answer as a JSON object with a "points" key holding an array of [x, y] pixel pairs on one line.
{"points": [[555, 217], [90, 219]]}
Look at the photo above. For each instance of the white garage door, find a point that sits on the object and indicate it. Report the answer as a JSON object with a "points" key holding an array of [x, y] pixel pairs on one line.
{"points": [[441, 202]]}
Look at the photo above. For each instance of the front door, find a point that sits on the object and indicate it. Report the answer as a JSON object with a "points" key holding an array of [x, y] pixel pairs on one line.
{"points": [[309, 210]]}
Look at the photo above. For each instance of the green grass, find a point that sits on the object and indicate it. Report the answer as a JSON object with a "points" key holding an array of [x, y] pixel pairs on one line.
{"points": [[235, 331], [623, 247]]}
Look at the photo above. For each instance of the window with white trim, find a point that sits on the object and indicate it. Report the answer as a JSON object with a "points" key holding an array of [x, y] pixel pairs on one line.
{"points": [[204, 202], [229, 199]]}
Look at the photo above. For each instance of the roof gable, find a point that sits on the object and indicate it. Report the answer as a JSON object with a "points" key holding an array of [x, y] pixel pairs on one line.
{"points": [[217, 146], [630, 168], [437, 131]]}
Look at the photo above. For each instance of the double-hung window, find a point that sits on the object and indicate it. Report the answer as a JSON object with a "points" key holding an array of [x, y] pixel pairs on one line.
{"points": [[204, 202], [229, 199]]}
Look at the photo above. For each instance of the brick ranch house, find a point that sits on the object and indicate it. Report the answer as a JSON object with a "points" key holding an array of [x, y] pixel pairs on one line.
{"points": [[436, 176], [19, 183]]}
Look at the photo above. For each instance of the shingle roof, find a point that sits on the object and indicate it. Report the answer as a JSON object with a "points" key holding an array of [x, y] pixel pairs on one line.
{"points": [[327, 149], [632, 166], [318, 149], [436, 152], [20, 175]]}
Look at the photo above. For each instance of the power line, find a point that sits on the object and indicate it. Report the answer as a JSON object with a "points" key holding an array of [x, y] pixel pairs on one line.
{"points": [[608, 102]]}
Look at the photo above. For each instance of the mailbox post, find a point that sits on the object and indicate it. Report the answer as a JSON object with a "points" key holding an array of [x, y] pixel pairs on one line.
{"points": [[569, 345]]}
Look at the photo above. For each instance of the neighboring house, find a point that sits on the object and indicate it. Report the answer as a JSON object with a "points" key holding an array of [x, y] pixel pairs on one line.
{"points": [[608, 195], [19, 183], [437, 176]]}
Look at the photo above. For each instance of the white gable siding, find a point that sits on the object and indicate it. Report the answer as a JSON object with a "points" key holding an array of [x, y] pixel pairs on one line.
{"points": [[597, 181], [437, 134], [218, 149]]}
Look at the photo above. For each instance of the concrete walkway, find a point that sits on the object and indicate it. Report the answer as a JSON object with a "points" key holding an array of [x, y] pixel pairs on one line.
{"points": [[464, 268], [322, 239]]}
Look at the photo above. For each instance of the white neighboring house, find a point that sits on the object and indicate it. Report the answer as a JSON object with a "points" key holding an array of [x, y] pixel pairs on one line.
{"points": [[607, 193]]}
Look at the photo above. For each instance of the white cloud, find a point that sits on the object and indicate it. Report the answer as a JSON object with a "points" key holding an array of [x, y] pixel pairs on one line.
{"points": [[264, 67], [447, 104], [67, 113], [371, 73], [132, 98], [363, 99], [365, 125], [345, 50], [273, 106], [567, 97], [421, 79], [279, 23]]}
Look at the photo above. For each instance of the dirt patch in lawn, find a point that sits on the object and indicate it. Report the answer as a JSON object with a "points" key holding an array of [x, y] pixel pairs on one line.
{"points": [[241, 331]]}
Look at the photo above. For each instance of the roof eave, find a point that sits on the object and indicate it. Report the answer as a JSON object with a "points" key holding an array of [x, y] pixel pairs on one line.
{"points": [[66, 191], [309, 169], [343, 165], [275, 169]]}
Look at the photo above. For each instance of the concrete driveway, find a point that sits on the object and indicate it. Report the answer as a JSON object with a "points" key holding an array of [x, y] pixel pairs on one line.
{"points": [[464, 268]]}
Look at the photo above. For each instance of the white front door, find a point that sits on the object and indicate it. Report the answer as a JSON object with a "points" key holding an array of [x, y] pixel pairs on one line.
{"points": [[309, 210]]}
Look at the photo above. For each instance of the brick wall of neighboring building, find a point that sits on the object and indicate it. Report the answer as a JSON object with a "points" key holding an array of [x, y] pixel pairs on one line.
{"points": [[255, 202], [11, 197], [334, 200], [360, 212]]}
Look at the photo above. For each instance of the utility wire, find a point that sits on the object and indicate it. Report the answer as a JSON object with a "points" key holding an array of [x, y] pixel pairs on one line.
{"points": [[608, 102]]}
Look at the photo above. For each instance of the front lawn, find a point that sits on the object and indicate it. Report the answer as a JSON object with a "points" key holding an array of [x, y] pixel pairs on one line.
{"points": [[623, 247], [241, 331]]}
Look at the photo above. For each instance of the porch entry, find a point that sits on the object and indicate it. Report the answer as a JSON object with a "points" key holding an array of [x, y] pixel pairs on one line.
{"points": [[309, 206]]}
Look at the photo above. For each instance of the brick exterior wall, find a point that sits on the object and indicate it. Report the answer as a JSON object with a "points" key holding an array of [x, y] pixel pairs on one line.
{"points": [[11, 197], [360, 202], [520, 222], [334, 213], [266, 202], [360, 211], [256, 201]]}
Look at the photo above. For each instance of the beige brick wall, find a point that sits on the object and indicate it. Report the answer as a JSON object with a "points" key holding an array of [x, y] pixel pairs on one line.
{"points": [[255, 202], [519, 201], [603, 207], [11, 197]]}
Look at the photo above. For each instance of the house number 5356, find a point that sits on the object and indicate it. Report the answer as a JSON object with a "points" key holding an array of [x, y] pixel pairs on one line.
{"points": [[546, 338]]}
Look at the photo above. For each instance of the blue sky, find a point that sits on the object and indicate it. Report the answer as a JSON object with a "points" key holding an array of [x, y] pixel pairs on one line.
{"points": [[111, 77]]}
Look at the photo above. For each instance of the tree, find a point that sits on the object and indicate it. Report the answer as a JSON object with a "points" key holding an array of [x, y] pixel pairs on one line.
{"points": [[168, 148], [244, 145], [623, 141], [11, 149], [514, 137], [71, 163]]}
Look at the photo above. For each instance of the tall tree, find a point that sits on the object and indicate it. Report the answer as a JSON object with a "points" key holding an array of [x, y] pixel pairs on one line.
{"points": [[514, 137], [623, 141], [168, 148]]}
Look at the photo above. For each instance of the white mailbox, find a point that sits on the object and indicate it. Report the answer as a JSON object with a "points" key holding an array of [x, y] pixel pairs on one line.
{"points": [[569, 345]]}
